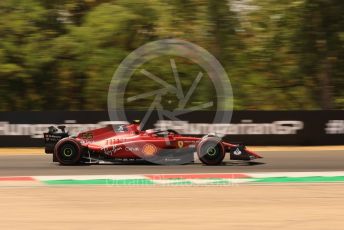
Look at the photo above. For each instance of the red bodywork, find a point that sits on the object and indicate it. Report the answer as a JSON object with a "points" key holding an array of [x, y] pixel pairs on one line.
{"points": [[128, 141]]}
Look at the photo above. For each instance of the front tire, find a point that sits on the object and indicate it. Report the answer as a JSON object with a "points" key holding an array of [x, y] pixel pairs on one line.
{"points": [[67, 152], [210, 151]]}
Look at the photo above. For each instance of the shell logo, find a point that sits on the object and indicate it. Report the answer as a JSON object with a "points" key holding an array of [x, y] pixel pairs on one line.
{"points": [[149, 149]]}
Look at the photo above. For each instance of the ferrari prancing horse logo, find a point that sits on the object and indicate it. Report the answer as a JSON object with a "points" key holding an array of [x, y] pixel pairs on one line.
{"points": [[180, 144]]}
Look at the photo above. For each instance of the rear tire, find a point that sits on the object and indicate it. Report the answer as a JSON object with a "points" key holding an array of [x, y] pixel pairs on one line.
{"points": [[210, 151], [67, 152]]}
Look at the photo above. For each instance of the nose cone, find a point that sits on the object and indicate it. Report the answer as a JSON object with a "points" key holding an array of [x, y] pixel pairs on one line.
{"points": [[253, 154]]}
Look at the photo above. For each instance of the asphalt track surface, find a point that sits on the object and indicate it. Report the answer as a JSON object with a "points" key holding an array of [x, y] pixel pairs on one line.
{"points": [[273, 161]]}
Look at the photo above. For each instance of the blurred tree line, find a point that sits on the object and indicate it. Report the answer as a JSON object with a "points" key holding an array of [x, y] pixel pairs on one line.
{"points": [[280, 55]]}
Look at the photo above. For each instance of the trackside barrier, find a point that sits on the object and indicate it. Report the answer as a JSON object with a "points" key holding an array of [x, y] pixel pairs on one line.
{"points": [[25, 129]]}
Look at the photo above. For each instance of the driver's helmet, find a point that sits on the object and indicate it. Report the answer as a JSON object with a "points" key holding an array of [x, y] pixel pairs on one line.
{"points": [[135, 126]]}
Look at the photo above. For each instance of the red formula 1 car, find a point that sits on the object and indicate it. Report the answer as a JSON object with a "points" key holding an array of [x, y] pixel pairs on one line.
{"points": [[129, 143]]}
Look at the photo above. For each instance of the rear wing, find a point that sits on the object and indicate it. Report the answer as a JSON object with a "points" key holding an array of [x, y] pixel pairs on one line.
{"points": [[53, 136]]}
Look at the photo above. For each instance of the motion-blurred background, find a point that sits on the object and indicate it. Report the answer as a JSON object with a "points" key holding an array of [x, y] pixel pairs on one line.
{"points": [[280, 55]]}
